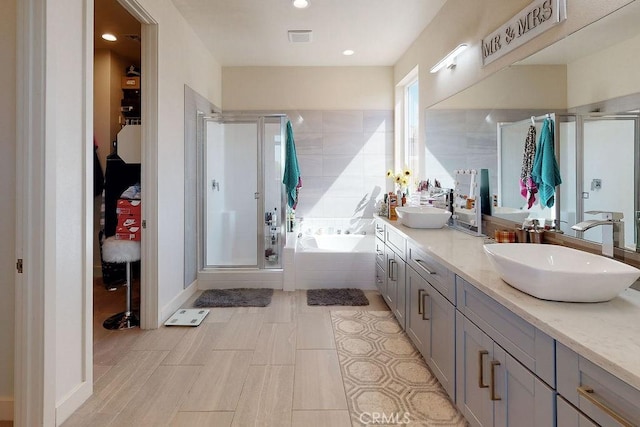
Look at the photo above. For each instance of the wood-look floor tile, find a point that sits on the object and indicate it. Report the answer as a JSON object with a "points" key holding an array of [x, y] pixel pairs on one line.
{"points": [[93, 419], [159, 398], [281, 309], [302, 307], [266, 398], [110, 348], [318, 381], [240, 333], [219, 314], [98, 372], [203, 419], [276, 345], [314, 331], [163, 338], [220, 382], [321, 419], [195, 346], [115, 389]]}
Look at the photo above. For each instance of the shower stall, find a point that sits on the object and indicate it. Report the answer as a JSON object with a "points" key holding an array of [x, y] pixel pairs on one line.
{"points": [[242, 196]]}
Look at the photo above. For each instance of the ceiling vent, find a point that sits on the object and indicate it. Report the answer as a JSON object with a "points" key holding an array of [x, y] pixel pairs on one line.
{"points": [[299, 36]]}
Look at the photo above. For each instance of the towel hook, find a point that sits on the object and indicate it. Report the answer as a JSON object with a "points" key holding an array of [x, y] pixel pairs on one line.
{"points": [[533, 120]]}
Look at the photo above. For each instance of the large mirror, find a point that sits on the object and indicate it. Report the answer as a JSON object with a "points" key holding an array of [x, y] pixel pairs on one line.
{"points": [[587, 85]]}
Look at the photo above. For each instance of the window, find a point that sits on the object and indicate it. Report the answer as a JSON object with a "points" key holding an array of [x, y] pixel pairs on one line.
{"points": [[411, 123]]}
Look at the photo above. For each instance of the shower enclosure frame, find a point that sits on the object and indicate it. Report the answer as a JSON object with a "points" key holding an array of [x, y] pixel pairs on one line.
{"points": [[203, 186]]}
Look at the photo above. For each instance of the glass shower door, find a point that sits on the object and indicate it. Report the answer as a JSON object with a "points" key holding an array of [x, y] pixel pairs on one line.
{"points": [[231, 194]]}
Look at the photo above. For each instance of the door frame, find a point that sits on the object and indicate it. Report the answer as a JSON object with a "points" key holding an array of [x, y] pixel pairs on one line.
{"points": [[35, 300]]}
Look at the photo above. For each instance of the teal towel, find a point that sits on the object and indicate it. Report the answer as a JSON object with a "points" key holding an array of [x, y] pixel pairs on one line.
{"points": [[545, 172], [291, 180]]}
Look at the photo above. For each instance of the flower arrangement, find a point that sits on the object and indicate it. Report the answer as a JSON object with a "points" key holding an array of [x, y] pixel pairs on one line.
{"points": [[401, 179]]}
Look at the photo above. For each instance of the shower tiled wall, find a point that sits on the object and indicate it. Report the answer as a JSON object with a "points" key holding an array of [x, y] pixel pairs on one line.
{"points": [[343, 157]]}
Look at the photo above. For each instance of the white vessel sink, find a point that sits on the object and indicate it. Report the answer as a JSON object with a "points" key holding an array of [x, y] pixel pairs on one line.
{"points": [[423, 217], [511, 214], [558, 273]]}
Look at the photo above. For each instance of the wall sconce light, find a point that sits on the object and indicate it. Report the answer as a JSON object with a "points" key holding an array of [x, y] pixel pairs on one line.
{"points": [[449, 61]]}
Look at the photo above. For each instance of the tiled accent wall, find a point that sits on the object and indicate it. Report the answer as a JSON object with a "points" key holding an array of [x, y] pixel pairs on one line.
{"points": [[466, 139], [343, 157]]}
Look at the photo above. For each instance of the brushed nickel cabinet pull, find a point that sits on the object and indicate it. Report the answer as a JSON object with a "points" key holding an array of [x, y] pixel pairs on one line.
{"points": [[492, 387], [424, 266], [481, 355], [424, 305], [420, 301], [590, 394]]}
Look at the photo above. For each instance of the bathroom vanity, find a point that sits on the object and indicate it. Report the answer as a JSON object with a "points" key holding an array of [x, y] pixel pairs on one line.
{"points": [[504, 357]]}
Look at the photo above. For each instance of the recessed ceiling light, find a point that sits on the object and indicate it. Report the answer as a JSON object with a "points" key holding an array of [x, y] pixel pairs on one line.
{"points": [[348, 52], [301, 4], [109, 37]]}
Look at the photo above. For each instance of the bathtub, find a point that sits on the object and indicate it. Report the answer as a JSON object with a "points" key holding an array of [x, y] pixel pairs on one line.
{"points": [[335, 261]]}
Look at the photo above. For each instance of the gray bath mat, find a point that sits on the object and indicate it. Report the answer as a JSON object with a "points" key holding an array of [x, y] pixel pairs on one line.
{"points": [[336, 297], [234, 298]]}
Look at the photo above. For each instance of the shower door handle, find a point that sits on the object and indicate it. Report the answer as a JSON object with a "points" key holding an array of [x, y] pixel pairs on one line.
{"points": [[215, 185]]}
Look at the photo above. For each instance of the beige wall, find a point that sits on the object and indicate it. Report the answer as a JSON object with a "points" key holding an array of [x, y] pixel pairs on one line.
{"points": [[182, 59], [516, 87], [607, 74], [473, 21], [307, 88], [8, 203]]}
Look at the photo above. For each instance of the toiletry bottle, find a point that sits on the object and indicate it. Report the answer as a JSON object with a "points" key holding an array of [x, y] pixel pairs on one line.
{"points": [[404, 199]]}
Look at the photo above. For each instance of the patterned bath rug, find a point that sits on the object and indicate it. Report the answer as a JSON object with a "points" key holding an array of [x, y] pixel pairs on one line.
{"points": [[234, 298], [347, 296], [384, 374]]}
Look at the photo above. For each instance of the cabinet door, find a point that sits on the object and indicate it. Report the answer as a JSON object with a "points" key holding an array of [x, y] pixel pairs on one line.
{"points": [[416, 326], [440, 342], [474, 351], [381, 279], [391, 266], [568, 416], [399, 273], [520, 398]]}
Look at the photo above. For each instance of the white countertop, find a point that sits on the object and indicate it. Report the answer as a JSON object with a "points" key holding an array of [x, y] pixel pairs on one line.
{"points": [[606, 333]]}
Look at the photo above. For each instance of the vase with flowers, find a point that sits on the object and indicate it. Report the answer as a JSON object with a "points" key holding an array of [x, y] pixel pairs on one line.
{"points": [[401, 180]]}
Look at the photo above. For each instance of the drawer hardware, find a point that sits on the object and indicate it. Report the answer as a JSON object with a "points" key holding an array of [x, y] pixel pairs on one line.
{"points": [[420, 302], [492, 387], [378, 228], [424, 266], [424, 305], [481, 355], [379, 252], [589, 394], [392, 276]]}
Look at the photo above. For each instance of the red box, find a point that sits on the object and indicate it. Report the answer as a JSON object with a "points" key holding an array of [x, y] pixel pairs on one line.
{"points": [[129, 221], [129, 207], [123, 233]]}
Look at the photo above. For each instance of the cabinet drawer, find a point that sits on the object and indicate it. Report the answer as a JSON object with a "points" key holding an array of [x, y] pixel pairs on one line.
{"points": [[604, 398], [380, 253], [380, 230], [435, 273], [396, 241], [530, 346]]}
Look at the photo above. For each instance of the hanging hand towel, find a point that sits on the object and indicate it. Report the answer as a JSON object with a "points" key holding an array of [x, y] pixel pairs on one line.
{"points": [[546, 173], [292, 179], [528, 188]]}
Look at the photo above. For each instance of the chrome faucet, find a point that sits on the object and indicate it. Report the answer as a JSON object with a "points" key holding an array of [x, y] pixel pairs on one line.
{"points": [[612, 229]]}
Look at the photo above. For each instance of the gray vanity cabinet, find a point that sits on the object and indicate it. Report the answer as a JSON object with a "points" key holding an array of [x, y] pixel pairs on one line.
{"points": [[494, 389], [599, 395], [568, 416], [395, 289], [431, 327]]}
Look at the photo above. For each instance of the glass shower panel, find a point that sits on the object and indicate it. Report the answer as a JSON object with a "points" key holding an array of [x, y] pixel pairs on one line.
{"points": [[231, 194], [608, 172], [273, 200]]}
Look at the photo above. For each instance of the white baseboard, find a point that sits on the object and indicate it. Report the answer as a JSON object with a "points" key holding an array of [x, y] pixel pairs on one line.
{"points": [[6, 408], [72, 401], [178, 301]]}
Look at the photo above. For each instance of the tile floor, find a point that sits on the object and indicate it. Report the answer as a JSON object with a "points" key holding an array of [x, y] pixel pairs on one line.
{"points": [[275, 365]]}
